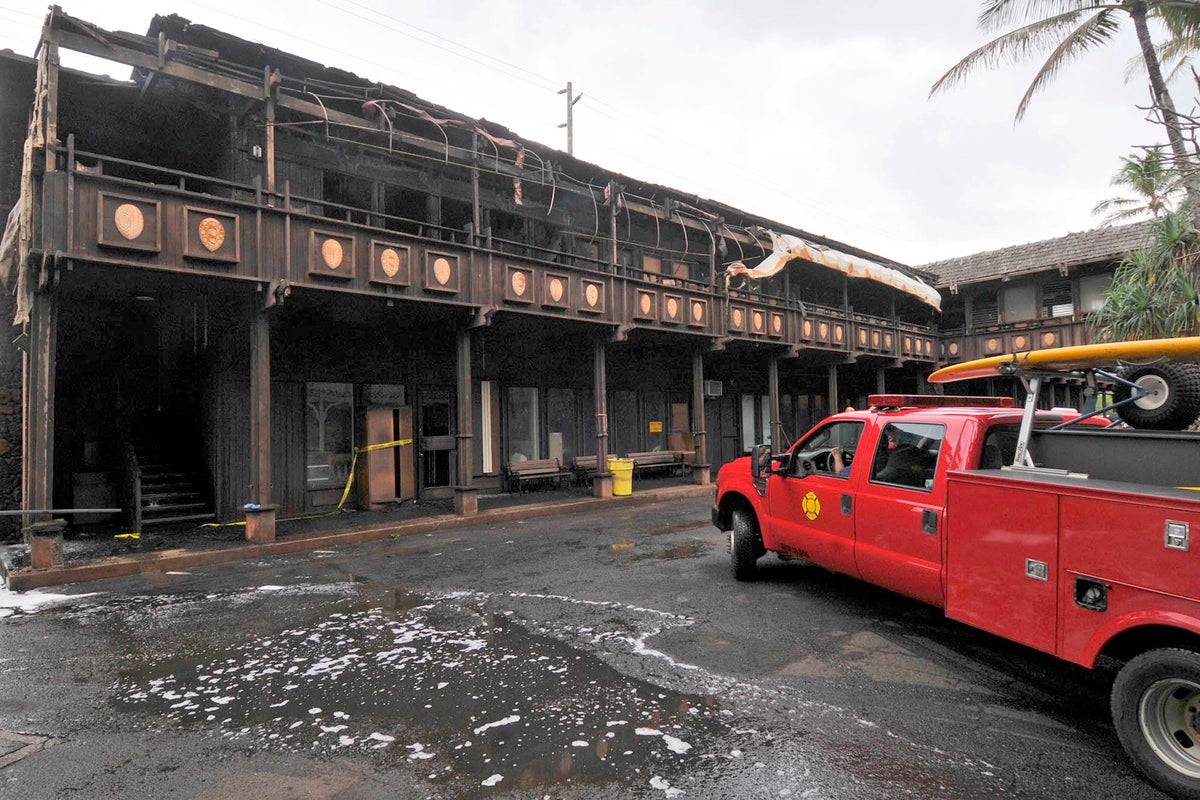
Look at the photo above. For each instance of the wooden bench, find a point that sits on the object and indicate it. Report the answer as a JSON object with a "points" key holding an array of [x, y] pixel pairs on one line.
{"points": [[666, 460], [548, 470], [584, 468]]}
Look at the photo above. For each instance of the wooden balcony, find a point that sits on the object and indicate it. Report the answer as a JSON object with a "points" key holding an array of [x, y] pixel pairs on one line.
{"points": [[200, 226], [994, 340]]}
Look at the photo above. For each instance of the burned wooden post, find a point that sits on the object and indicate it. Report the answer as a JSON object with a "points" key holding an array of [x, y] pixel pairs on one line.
{"points": [[38, 456], [466, 499], [260, 511], [701, 464], [602, 483], [775, 425], [833, 407]]}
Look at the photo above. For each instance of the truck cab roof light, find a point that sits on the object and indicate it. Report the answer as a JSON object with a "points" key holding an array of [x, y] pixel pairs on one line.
{"points": [[937, 401]]}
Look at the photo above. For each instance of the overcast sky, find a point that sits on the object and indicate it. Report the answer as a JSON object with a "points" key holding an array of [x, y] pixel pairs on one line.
{"points": [[812, 113]]}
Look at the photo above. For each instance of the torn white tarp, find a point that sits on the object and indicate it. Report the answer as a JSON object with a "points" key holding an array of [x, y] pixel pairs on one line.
{"points": [[786, 248]]}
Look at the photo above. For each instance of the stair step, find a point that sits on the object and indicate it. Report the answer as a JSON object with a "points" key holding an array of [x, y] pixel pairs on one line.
{"points": [[182, 518], [165, 508]]}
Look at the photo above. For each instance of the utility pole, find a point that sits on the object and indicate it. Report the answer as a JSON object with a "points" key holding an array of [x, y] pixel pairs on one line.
{"points": [[572, 99]]}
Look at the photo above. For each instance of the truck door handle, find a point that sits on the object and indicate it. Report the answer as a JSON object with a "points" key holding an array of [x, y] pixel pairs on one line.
{"points": [[929, 521], [847, 504]]}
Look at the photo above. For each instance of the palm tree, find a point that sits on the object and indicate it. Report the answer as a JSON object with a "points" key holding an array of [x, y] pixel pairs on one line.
{"points": [[1156, 290], [1146, 177], [1070, 28]]}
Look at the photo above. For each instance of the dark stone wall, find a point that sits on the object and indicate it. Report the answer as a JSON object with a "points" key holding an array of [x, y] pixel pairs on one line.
{"points": [[16, 100]]}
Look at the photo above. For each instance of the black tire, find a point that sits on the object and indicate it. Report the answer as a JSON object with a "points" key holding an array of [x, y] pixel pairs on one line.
{"points": [[745, 544], [1174, 402], [1156, 711]]}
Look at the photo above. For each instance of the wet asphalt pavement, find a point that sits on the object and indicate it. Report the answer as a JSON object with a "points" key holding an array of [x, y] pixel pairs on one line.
{"points": [[603, 655]]}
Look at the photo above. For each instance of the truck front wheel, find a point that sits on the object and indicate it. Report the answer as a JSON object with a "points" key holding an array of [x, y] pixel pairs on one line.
{"points": [[745, 544], [1156, 711]]}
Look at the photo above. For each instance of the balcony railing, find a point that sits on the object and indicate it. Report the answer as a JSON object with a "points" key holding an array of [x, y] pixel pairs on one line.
{"points": [[179, 222]]}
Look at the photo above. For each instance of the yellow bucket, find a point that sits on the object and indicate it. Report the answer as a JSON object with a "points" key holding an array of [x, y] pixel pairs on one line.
{"points": [[622, 471]]}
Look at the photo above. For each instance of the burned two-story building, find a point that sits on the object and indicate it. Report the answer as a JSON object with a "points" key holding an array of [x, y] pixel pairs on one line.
{"points": [[237, 269]]}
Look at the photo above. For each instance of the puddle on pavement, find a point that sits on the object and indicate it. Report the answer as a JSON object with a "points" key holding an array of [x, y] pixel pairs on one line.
{"points": [[467, 696], [626, 551]]}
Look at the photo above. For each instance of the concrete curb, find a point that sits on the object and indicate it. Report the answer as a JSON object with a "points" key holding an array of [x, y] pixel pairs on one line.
{"points": [[124, 566]]}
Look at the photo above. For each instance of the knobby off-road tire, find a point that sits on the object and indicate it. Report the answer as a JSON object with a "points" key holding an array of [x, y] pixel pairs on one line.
{"points": [[745, 544], [1174, 402], [1156, 711]]}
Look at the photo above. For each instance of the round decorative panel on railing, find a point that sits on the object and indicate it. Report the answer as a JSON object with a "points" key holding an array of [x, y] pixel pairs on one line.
{"points": [[777, 324], [1019, 342], [823, 330], [332, 253], [954, 348], [697, 312], [1049, 339], [645, 303], [991, 346], [211, 234], [389, 262], [557, 289], [591, 294], [808, 328], [672, 308], [442, 271], [129, 220], [738, 319], [519, 283]]}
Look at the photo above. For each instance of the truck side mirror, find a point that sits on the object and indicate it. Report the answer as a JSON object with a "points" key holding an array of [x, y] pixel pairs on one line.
{"points": [[760, 461]]}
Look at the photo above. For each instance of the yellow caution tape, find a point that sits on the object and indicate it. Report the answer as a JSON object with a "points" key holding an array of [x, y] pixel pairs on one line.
{"points": [[128, 536], [345, 492]]}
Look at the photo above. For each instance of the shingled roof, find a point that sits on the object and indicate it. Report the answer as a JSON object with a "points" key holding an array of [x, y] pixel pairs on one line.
{"points": [[1073, 250]]}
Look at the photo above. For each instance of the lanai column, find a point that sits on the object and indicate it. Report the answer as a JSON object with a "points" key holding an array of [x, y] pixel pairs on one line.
{"points": [[260, 511], [776, 424], [701, 464], [466, 498], [602, 484], [834, 406], [42, 534]]}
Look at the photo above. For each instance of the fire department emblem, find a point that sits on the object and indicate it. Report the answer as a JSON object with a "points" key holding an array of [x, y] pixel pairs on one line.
{"points": [[811, 506]]}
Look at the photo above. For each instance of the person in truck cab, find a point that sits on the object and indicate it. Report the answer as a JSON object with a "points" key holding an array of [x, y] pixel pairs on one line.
{"points": [[840, 467], [902, 460]]}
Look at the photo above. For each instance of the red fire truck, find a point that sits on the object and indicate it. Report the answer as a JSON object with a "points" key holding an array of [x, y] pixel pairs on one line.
{"points": [[1045, 527]]}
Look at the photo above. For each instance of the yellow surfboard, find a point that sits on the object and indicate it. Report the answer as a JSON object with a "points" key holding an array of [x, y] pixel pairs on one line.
{"points": [[1078, 357]]}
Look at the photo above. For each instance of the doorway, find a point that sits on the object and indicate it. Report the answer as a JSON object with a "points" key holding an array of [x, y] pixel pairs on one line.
{"points": [[437, 439]]}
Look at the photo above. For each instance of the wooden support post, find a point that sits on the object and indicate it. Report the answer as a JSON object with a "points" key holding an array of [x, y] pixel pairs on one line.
{"points": [[260, 511], [701, 464], [39, 386], [775, 425], [51, 118], [880, 384], [602, 484], [270, 82], [833, 406], [476, 207], [466, 499], [614, 190]]}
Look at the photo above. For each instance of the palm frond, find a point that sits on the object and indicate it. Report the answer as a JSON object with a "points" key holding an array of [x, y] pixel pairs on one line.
{"points": [[996, 14], [1094, 31], [1011, 47]]}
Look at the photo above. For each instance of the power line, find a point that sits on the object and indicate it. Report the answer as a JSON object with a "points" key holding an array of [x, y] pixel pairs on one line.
{"points": [[547, 83], [387, 68]]}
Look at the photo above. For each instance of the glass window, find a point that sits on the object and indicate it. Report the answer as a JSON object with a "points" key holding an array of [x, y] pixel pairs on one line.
{"points": [[523, 444], [816, 453], [1018, 303], [907, 454], [1092, 290], [329, 434]]}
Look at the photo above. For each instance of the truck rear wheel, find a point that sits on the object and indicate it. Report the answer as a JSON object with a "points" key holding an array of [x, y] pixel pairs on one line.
{"points": [[1156, 711], [1173, 402], [745, 544]]}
